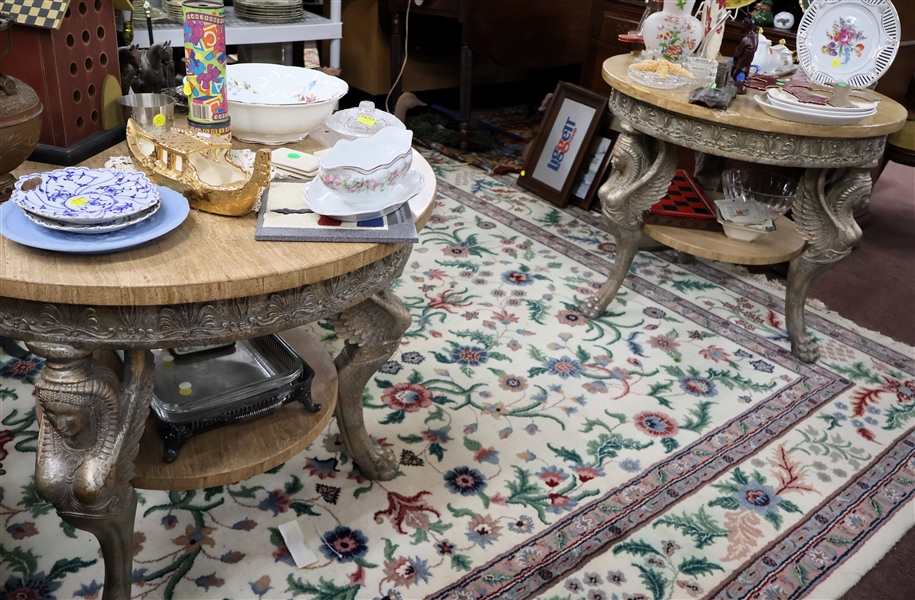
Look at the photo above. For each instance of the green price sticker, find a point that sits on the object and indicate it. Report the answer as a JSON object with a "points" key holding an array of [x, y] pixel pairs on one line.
{"points": [[293, 155], [370, 121]]}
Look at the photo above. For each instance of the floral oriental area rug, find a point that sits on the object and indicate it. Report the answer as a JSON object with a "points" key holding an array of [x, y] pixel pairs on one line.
{"points": [[672, 448]]}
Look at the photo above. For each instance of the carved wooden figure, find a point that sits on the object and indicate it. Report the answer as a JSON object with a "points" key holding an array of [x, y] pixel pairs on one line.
{"points": [[129, 61], [743, 55], [158, 65]]}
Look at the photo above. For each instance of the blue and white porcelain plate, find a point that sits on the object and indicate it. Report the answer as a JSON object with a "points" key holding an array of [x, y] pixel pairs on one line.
{"points": [[93, 228], [86, 196], [15, 226]]}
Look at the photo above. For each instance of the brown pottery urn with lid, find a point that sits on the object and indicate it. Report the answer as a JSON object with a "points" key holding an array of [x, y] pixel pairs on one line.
{"points": [[20, 120]]}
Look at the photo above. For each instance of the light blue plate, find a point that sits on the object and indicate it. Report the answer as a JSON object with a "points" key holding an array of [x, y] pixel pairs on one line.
{"points": [[17, 227]]}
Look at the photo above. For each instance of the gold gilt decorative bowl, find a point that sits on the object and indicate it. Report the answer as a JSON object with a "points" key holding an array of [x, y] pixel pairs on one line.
{"points": [[199, 169]]}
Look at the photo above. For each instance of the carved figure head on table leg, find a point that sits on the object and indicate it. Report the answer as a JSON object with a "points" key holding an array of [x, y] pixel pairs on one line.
{"points": [[372, 330], [88, 438]]}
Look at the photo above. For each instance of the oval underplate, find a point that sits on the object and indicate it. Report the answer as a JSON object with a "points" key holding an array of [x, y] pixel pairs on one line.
{"points": [[779, 97], [325, 201], [802, 116], [17, 227]]}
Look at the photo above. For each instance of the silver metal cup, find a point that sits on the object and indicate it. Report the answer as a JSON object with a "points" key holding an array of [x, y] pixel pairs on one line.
{"points": [[154, 113]]}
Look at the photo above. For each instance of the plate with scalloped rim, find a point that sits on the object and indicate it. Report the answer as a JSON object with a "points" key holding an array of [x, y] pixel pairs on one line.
{"points": [[14, 225], [848, 41], [93, 228], [85, 196]]}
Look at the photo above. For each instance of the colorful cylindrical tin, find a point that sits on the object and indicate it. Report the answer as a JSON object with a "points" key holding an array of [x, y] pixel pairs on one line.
{"points": [[205, 54]]}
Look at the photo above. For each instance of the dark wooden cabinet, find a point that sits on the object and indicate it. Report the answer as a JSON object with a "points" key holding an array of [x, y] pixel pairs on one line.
{"points": [[609, 19]]}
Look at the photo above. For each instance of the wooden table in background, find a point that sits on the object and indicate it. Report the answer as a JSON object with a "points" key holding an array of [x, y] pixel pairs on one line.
{"points": [[206, 282], [837, 179]]}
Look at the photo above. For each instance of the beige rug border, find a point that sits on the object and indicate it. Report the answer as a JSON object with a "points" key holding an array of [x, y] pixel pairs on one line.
{"points": [[883, 541]]}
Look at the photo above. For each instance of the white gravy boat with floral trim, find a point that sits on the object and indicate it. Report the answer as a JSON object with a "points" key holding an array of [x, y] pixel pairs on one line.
{"points": [[360, 171]]}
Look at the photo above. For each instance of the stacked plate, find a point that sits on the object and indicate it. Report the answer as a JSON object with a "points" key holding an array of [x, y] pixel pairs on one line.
{"points": [[779, 103], [270, 11], [86, 201], [172, 7], [294, 163], [155, 14]]}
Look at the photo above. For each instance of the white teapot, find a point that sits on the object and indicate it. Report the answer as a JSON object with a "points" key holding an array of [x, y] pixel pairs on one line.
{"points": [[765, 59], [784, 55]]}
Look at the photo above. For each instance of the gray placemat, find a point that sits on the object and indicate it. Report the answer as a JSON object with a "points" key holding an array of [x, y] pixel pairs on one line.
{"points": [[284, 217]]}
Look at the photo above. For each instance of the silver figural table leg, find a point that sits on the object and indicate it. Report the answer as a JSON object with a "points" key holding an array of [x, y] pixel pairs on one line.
{"points": [[823, 212], [642, 169], [372, 329], [88, 438]]}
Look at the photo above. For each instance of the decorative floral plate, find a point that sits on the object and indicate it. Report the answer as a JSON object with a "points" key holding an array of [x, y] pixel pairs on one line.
{"points": [[848, 41], [92, 228], [325, 201], [85, 196], [15, 226]]}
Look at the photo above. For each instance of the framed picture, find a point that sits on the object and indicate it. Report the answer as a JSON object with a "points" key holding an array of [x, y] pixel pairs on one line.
{"points": [[566, 134], [594, 170]]}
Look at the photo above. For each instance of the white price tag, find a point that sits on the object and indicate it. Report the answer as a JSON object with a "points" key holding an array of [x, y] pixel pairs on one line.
{"points": [[295, 541]]}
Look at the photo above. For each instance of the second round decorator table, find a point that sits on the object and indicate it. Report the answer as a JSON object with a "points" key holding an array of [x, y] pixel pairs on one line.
{"points": [[837, 179], [206, 282]]}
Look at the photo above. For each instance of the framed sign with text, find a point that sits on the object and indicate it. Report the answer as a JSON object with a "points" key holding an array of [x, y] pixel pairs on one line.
{"points": [[566, 132]]}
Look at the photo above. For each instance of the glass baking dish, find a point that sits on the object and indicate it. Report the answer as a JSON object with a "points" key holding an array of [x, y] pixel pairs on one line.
{"points": [[205, 383]]}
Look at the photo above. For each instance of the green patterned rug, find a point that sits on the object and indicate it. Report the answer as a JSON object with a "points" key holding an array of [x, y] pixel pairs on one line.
{"points": [[672, 448]]}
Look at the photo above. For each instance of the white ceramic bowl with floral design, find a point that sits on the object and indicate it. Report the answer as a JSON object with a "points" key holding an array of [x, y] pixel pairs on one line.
{"points": [[361, 170], [277, 104]]}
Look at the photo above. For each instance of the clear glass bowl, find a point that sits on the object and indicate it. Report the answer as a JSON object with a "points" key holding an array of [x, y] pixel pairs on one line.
{"points": [[652, 80], [775, 191], [703, 69]]}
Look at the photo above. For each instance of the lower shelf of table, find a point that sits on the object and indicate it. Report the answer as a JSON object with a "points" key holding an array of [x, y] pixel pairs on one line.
{"points": [[240, 451], [780, 246]]}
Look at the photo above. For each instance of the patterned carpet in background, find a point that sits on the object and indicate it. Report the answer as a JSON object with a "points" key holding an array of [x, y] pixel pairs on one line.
{"points": [[672, 448]]}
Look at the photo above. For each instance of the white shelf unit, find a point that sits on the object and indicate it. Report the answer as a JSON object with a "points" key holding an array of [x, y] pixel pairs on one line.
{"points": [[309, 28]]}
